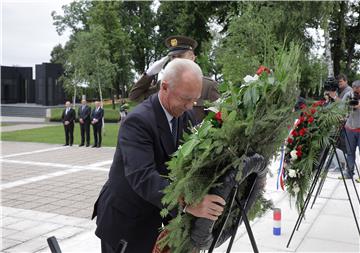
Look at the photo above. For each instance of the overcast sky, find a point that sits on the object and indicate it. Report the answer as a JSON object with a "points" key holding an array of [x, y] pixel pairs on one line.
{"points": [[27, 33]]}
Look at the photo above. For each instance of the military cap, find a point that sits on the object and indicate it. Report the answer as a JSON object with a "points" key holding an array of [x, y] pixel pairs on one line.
{"points": [[179, 44]]}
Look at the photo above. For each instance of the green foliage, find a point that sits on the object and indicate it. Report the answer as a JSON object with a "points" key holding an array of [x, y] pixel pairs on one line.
{"points": [[254, 118]]}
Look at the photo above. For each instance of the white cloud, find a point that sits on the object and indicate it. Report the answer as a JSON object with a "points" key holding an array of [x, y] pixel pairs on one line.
{"points": [[28, 35]]}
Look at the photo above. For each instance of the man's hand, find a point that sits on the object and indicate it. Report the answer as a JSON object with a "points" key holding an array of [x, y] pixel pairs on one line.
{"points": [[157, 66], [211, 207], [81, 121], [357, 106], [66, 123], [333, 94]]}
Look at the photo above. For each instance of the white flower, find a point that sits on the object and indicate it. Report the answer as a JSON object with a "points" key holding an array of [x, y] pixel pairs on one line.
{"points": [[249, 78], [296, 188], [291, 173], [293, 155], [213, 109]]}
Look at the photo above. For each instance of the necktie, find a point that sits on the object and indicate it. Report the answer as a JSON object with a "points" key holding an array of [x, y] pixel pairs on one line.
{"points": [[174, 129]]}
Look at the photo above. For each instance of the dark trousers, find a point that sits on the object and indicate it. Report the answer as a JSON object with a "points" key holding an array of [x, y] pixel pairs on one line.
{"points": [[69, 133], [85, 130], [354, 141], [97, 134], [106, 248]]}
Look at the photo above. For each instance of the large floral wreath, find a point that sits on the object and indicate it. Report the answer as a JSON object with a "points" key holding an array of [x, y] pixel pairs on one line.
{"points": [[249, 118], [317, 125]]}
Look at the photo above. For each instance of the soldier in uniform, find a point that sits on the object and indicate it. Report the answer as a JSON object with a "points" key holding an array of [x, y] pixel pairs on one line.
{"points": [[179, 47]]}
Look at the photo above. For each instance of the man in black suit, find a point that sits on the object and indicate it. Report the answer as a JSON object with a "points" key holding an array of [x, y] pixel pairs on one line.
{"points": [[129, 204], [97, 122], [84, 121], [68, 119]]}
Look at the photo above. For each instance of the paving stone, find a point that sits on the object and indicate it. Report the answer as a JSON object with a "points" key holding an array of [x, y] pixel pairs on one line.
{"points": [[29, 246], [8, 243], [65, 232], [23, 225]]}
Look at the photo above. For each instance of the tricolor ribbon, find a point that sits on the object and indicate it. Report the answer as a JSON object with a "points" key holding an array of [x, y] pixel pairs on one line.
{"points": [[280, 176]]}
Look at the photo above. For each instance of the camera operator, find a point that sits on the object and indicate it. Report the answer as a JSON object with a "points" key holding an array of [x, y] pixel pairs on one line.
{"points": [[352, 128], [336, 89], [332, 88]]}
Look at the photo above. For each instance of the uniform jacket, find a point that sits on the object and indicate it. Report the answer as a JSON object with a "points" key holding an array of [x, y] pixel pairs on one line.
{"points": [[70, 116], [97, 115], [84, 113], [130, 202], [145, 86]]}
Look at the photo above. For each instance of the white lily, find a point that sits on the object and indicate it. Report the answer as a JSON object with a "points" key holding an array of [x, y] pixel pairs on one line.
{"points": [[293, 155], [291, 173], [213, 109], [249, 78]]}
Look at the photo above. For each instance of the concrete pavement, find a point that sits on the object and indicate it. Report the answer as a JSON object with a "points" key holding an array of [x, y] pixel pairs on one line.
{"points": [[48, 190]]}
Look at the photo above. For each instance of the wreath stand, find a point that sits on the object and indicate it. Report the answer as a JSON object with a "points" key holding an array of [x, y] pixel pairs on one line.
{"points": [[323, 166], [241, 205]]}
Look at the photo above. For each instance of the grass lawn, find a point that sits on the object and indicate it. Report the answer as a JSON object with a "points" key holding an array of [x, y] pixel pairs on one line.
{"points": [[56, 135]]}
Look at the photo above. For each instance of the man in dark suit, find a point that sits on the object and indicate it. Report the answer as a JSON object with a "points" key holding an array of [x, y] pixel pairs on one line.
{"points": [[84, 121], [68, 119], [97, 122], [129, 204]]}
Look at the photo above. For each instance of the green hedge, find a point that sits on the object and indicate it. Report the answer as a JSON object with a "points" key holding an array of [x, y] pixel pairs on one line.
{"points": [[55, 134], [111, 115]]}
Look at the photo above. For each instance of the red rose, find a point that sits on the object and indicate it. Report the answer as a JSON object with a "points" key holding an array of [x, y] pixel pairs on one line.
{"points": [[290, 140], [313, 111], [302, 132], [298, 147], [261, 69], [218, 117], [302, 119], [318, 103], [294, 133], [298, 153], [311, 119], [302, 106]]}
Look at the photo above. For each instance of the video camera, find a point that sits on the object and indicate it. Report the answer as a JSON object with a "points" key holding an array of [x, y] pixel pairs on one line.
{"points": [[331, 84], [354, 99]]}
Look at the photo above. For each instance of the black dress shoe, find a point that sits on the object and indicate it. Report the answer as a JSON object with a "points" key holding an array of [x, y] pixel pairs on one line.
{"points": [[94, 146], [98, 146], [70, 145], [81, 145], [87, 145], [66, 145]]}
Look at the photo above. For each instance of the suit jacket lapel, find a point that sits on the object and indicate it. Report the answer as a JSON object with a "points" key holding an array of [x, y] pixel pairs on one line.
{"points": [[163, 126]]}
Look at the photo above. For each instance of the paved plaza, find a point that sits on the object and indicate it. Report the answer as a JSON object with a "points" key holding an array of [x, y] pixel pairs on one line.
{"points": [[49, 190]]}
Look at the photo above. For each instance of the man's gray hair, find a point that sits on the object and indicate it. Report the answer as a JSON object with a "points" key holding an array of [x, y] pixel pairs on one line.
{"points": [[356, 84], [176, 67]]}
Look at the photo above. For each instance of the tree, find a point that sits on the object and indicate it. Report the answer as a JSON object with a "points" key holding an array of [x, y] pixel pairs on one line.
{"points": [[138, 20], [106, 15], [89, 61], [75, 17]]}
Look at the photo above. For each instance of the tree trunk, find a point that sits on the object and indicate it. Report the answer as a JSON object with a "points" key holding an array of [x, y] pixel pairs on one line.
{"points": [[328, 58]]}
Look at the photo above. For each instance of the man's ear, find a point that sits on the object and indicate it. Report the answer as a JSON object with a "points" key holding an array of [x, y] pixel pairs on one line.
{"points": [[164, 85]]}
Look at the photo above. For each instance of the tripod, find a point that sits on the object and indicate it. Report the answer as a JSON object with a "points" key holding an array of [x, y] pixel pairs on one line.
{"points": [[241, 204], [323, 166], [327, 170]]}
